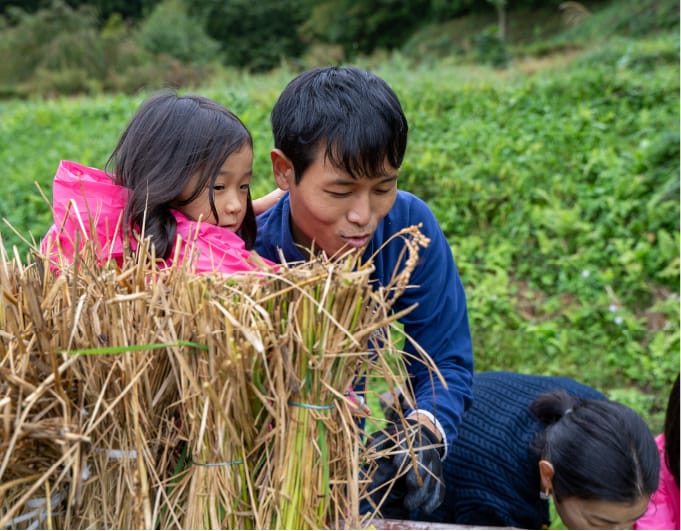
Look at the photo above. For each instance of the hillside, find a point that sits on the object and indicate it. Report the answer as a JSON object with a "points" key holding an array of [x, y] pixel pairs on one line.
{"points": [[555, 179]]}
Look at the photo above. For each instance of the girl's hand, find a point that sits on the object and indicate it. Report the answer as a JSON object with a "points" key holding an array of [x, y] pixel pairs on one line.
{"points": [[267, 201]]}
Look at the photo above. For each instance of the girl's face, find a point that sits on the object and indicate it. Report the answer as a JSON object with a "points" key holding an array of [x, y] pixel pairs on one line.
{"points": [[577, 513], [230, 192]]}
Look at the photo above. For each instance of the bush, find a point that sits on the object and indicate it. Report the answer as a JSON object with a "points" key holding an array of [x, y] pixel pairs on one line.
{"points": [[361, 27], [169, 30], [488, 48], [59, 50], [58, 44], [559, 193], [254, 35]]}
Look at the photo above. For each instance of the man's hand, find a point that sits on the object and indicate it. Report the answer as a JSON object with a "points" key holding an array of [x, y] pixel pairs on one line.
{"points": [[412, 484]]}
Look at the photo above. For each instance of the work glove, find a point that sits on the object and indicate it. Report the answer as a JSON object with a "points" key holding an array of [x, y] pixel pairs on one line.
{"points": [[418, 482]]}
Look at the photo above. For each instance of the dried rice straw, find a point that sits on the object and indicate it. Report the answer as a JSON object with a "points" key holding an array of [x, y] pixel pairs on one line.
{"points": [[138, 397]]}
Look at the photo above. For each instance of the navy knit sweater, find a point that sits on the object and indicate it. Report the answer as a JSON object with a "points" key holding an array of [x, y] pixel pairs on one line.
{"points": [[491, 476]]}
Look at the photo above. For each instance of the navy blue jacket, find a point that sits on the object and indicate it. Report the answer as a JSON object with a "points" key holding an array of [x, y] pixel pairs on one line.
{"points": [[439, 324]]}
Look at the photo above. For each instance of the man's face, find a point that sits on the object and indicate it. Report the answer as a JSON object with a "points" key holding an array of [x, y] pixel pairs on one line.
{"points": [[335, 211]]}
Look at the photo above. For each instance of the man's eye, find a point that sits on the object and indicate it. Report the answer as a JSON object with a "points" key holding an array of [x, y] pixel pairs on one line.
{"points": [[339, 194], [382, 192]]}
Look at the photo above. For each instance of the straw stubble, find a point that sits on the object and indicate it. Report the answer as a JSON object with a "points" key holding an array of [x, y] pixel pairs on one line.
{"points": [[137, 397]]}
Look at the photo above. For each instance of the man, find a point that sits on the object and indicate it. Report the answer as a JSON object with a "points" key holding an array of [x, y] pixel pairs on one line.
{"points": [[340, 136]]}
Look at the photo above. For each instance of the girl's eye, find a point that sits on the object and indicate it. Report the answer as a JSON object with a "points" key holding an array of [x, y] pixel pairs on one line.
{"points": [[218, 187], [245, 187]]}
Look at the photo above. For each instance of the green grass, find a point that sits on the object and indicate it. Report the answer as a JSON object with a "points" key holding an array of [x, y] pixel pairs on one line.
{"points": [[556, 181], [557, 189]]}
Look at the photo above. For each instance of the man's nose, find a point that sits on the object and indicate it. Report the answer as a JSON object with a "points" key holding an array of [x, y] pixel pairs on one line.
{"points": [[360, 210]]}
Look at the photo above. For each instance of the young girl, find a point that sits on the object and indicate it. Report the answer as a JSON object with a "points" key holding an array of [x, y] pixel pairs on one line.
{"points": [[179, 175]]}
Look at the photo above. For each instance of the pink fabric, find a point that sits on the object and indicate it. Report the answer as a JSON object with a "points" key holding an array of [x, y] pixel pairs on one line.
{"points": [[663, 509], [86, 201]]}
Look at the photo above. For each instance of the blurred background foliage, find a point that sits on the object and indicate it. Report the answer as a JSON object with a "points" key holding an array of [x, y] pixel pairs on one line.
{"points": [[52, 47]]}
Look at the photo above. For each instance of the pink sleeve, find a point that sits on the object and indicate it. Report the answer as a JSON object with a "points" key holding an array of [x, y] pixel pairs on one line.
{"points": [[663, 508], [213, 248], [87, 205]]}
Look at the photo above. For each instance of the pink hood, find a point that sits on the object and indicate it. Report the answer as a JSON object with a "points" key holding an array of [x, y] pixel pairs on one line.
{"points": [[86, 201]]}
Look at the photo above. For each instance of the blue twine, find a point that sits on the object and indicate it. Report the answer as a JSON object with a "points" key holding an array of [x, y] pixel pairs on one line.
{"points": [[226, 463], [311, 406]]}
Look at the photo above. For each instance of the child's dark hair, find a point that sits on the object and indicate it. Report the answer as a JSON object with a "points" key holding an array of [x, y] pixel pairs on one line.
{"points": [[353, 114], [599, 449], [170, 139], [671, 431]]}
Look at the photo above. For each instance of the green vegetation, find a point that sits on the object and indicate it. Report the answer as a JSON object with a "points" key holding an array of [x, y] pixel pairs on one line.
{"points": [[560, 196], [558, 192], [53, 47], [555, 179]]}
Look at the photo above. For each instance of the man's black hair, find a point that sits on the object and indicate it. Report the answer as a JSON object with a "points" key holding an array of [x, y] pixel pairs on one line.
{"points": [[353, 115]]}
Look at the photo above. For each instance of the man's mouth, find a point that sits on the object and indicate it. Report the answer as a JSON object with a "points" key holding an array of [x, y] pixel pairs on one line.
{"points": [[357, 241]]}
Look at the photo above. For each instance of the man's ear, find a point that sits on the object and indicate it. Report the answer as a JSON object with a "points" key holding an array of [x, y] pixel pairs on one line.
{"points": [[282, 168], [546, 473]]}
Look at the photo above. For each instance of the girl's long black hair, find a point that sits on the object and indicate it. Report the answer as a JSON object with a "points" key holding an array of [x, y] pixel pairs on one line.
{"points": [[170, 139]]}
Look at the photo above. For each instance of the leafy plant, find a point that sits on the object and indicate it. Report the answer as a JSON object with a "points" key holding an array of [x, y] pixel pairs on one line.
{"points": [[169, 29], [557, 191]]}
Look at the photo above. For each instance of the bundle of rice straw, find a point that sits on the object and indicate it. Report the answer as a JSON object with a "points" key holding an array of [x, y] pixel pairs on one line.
{"points": [[136, 397], [108, 408]]}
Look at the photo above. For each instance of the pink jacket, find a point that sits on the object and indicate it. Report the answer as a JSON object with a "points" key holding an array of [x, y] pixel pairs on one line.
{"points": [[663, 509], [81, 194]]}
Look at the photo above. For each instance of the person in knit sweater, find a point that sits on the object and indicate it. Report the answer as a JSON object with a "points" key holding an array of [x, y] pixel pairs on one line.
{"points": [[527, 438], [663, 509]]}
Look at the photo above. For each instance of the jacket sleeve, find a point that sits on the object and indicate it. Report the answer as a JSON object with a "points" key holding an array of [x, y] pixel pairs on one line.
{"points": [[86, 204], [663, 507], [209, 247], [439, 325], [659, 514]]}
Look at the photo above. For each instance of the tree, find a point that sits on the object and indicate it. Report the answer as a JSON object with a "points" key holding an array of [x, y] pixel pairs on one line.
{"points": [[128, 9], [361, 26], [170, 30], [500, 6], [255, 34]]}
